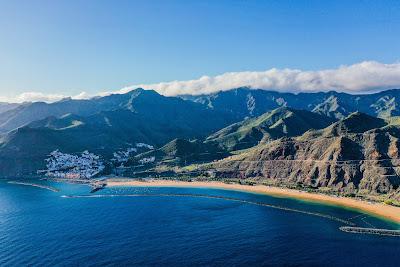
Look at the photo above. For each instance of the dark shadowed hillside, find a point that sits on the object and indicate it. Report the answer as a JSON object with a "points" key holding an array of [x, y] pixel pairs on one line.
{"points": [[145, 102], [147, 117]]}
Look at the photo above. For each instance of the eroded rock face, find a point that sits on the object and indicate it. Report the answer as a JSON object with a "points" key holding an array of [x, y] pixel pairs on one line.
{"points": [[348, 160]]}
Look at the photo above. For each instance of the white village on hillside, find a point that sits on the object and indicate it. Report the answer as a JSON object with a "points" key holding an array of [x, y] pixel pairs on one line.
{"points": [[121, 157], [87, 165], [63, 165]]}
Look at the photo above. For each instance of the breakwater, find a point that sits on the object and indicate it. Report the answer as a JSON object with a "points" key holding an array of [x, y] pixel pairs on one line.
{"points": [[53, 189], [371, 231]]}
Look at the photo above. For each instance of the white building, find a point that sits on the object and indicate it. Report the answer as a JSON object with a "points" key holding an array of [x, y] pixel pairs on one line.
{"points": [[62, 165]]}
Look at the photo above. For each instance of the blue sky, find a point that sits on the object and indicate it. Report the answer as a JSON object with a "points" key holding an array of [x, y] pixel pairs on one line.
{"points": [[66, 47]]}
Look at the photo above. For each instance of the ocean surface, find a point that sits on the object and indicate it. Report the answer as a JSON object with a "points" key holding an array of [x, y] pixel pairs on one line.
{"points": [[181, 227]]}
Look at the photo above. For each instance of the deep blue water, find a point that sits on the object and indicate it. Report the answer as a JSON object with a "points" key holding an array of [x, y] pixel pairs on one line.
{"points": [[40, 228]]}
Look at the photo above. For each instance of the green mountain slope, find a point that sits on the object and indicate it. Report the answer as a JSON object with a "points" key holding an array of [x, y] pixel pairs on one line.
{"points": [[356, 122], [269, 126], [183, 152]]}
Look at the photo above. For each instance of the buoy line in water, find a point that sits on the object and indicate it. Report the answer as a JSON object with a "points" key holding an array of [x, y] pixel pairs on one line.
{"points": [[367, 223], [326, 216], [53, 189]]}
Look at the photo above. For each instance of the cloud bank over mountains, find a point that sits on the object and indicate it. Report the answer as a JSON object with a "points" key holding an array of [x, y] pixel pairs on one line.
{"points": [[364, 77], [37, 96]]}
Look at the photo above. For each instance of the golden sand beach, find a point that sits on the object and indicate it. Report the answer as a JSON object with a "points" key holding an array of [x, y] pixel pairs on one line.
{"points": [[379, 209]]}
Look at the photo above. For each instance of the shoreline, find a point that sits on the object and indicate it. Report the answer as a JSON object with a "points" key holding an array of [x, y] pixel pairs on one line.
{"points": [[388, 212]]}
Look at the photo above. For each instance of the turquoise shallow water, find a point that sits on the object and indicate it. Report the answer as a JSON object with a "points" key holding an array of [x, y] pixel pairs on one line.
{"points": [[122, 227]]}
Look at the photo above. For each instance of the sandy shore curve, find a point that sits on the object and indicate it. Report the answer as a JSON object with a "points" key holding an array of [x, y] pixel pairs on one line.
{"points": [[388, 212]]}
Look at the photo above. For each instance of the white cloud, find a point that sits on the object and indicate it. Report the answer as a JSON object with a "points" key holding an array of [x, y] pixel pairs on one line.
{"points": [[41, 97], [367, 76], [82, 95], [364, 77]]}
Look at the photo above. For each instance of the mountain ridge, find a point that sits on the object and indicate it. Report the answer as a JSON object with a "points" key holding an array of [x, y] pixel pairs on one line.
{"points": [[254, 102]]}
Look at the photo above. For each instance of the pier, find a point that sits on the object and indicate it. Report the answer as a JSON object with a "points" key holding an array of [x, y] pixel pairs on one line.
{"points": [[97, 185], [371, 231]]}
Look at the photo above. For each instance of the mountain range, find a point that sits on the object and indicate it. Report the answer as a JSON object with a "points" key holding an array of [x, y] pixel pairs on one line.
{"points": [[121, 121], [240, 103], [328, 139]]}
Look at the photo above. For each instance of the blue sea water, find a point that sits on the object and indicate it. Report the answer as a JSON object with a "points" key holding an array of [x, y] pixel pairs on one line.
{"points": [[120, 227]]}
